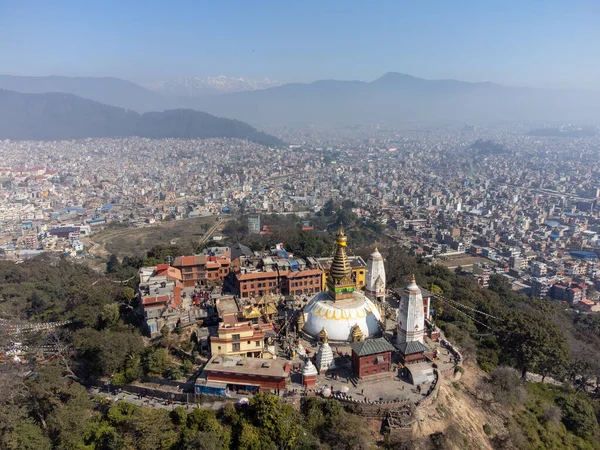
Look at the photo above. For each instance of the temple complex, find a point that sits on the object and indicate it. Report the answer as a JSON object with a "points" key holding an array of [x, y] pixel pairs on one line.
{"points": [[341, 307]]}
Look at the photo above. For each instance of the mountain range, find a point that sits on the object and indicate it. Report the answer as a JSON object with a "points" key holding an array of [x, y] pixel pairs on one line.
{"points": [[59, 116], [393, 98], [197, 86]]}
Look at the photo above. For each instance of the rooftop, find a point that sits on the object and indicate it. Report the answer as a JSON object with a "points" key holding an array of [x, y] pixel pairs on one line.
{"points": [[248, 366], [372, 347]]}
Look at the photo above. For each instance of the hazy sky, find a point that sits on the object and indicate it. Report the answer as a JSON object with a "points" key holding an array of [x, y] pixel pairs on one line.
{"points": [[527, 42]]}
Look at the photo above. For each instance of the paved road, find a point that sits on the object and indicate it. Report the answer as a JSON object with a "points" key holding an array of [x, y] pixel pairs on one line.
{"points": [[208, 234], [154, 402]]}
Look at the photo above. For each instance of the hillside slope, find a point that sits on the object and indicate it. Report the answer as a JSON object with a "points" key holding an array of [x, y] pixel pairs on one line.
{"points": [[107, 90], [57, 116]]}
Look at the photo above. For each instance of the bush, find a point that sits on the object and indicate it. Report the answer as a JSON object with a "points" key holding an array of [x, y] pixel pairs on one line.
{"points": [[487, 429], [174, 372], [485, 366]]}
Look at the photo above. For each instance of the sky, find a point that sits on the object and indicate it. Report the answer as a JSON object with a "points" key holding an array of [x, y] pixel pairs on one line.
{"points": [[546, 43]]}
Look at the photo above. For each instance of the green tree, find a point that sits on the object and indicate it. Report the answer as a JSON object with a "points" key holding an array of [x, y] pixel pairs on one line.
{"points": [[25, 435], [532, 343], [104, 352], [113, 264], [329, 208], [109, 315], [157, 361]]}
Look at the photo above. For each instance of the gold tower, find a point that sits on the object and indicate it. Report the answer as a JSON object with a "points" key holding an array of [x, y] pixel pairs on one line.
{"points": [[340, 284]]}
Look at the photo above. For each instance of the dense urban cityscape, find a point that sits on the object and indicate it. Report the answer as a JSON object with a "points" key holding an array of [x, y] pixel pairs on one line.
{"points": [[489, 201]]}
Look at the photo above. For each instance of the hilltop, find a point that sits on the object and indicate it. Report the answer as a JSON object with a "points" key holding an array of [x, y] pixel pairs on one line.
{"points": [[58, 116]]}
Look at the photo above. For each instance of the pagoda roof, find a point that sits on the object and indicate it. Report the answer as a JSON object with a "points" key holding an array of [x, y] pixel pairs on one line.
{"points": [[372, 347], [410, 348]]}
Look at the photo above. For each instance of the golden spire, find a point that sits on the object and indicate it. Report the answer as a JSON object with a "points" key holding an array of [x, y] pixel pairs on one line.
{"points": [[412, 278], [340, 237], [339, 282], [376, 250], [323, 336]]}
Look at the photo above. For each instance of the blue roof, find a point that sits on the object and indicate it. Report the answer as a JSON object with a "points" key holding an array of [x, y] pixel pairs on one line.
{"points": [[107, 207], [583, 254], [63, 230]]}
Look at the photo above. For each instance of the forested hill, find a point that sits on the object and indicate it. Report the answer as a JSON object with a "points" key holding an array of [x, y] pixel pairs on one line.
{"points": [[56, 116]]}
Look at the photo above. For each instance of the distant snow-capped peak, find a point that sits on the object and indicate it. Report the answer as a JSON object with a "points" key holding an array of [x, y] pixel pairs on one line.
{"points": [[221, 84]]}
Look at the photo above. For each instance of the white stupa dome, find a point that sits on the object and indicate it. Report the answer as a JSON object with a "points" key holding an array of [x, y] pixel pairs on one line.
{"points": [[339, 317]]}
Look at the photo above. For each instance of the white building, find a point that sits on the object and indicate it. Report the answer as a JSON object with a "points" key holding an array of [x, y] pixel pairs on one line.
{"points": [[375, 283], [411, 315]]}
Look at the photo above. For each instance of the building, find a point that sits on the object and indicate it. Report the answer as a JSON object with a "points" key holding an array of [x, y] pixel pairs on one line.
{"points": [[411, 324], [309, 374], [239, 336], [411, 318], [279, 277], [254, 224], [371, 357], [202, 269], [539, 269], [224, 374], [160, 297], [375, 285], [342, 306]]}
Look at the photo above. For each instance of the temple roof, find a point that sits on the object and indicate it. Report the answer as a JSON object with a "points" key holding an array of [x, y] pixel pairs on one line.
{"points": [[410, 348], [372, 347]]}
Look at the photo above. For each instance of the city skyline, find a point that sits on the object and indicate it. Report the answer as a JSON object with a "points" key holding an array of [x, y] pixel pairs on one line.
{"points": [[527, 45]]}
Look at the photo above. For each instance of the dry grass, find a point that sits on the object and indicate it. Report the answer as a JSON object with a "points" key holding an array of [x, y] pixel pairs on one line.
{"points": [[137, 241]]}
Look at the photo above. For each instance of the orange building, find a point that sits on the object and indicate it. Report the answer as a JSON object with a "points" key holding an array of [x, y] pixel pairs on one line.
{"points": [[202, 269]]}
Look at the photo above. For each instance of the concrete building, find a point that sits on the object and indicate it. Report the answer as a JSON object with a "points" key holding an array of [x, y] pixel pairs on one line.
{"points": [[224, 374], [254, 224], [235, 337]]}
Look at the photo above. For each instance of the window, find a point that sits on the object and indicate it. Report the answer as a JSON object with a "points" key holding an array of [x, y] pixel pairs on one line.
{"points": [[258, 343], [219, 347], [248, 342], [236, 347], [235, 337]]}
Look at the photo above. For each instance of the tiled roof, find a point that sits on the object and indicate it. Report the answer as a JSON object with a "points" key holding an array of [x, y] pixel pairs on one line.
{"points": [[372, 347], [410, 348]]}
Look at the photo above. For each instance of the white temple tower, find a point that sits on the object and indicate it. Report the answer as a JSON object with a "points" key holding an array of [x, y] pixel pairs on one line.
{"points": [[411, 315], [324, 354], [375, 285]]}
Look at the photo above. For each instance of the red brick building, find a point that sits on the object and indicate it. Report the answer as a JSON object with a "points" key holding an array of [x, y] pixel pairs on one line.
{"points": [[412, 352], [371, 357], [292, 282], [202, 269]]}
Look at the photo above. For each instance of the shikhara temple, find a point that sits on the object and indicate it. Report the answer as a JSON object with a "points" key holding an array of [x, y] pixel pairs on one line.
{"points": [[342, 311]]}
